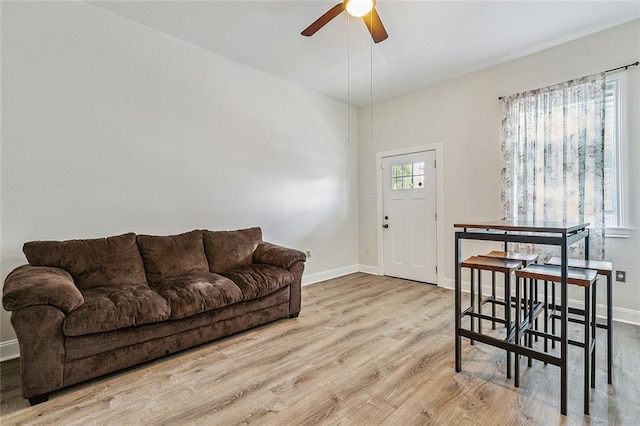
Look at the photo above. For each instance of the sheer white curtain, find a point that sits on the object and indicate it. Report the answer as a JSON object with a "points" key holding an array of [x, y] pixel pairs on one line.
{"points": [[553, 159]]}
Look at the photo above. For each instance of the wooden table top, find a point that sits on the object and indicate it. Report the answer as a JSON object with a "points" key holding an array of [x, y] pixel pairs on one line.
{"points": [[523, 226]]}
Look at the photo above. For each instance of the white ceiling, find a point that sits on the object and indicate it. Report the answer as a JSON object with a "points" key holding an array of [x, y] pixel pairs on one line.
{"points": [[429, 41]]}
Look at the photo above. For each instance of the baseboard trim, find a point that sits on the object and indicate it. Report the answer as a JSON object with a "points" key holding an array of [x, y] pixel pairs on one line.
{"points": [[626, 315], [9, 350], [330, 274], [368, 269], [630, 316]]}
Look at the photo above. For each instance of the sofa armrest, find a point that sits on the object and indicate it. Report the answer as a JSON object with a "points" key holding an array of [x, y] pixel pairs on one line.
{"points": [[282, 257], [289, 259], [40, 285]]}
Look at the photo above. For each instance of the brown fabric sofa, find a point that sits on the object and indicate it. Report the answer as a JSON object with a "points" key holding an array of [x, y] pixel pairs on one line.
{"points": [[84, 308]]}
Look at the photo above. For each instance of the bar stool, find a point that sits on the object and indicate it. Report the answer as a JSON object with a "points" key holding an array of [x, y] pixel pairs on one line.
{"points": [[525, 258], [603, 268], [585, 278], [505, 266]]}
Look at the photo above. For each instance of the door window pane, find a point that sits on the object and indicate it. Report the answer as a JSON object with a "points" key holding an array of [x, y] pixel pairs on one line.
{"points": [[407, 176], [396, 183]]}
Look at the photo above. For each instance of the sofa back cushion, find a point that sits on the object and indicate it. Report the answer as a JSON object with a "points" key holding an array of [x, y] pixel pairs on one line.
{"points": [[172, 256], [228, 250], [91, 263]]}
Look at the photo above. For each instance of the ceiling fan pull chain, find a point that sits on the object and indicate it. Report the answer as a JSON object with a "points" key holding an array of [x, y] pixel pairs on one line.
{"points": [[348, 79], [371, 82]]}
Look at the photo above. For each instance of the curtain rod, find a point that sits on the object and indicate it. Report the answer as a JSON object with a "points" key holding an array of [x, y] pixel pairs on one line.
{"points": [[635, 64]]}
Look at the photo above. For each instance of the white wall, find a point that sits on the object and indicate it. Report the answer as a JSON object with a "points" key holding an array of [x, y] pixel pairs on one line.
{"points": [[111, 127], [465, 115]]}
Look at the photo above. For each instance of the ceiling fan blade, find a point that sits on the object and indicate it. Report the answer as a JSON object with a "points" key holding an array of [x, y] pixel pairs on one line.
{"points": [[374, 24], [323, 20]]}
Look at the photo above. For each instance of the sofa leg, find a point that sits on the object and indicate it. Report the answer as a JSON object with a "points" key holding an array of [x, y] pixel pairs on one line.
{"points": [[39, 399], [294, 315]]}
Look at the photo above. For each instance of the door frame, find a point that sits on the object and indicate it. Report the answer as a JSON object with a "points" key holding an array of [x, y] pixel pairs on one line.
{"points": [[437, 147]]}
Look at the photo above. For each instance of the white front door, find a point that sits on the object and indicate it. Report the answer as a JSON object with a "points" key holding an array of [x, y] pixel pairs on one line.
{"points": [[409, 216]]}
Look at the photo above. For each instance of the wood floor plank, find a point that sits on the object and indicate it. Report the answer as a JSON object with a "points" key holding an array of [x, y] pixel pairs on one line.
{"points": [[365, 350]]}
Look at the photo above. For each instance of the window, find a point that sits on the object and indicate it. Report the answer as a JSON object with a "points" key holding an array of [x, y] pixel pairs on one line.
{"points": [[615, 154], [553, 157], [407, 176]]}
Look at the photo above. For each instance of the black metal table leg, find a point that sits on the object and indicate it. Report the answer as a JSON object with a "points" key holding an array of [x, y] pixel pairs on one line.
{"points": [[609, 328], [458, 303], [517, 338], [594, 292], [564, 326], [546, 317], [493, 294], [530, 316], [480, 301], [507, 317], [587, 346], [472, 299]]}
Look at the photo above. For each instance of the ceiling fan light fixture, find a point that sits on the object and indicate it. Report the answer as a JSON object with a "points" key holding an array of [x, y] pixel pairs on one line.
{"points": [[358, 8], [365, 9]]}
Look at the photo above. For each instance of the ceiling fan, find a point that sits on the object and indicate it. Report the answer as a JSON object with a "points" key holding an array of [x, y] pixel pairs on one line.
{"points": [[358, 8]]}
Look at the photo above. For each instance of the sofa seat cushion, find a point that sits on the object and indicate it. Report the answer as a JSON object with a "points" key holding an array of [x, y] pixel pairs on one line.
{"points": [[112, 307], [172, 256], [197, 292], [91, 263], [259, 280]]}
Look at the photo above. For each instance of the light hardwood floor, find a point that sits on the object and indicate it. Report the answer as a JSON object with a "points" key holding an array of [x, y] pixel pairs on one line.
{"points": [[366, 350]]}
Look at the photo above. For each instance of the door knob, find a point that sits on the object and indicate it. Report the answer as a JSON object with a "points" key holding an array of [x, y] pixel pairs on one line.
{"points": [[385, 226]]}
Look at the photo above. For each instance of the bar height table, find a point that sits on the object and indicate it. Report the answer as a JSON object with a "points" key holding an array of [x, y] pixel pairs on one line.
{"points": [[560, 234]]}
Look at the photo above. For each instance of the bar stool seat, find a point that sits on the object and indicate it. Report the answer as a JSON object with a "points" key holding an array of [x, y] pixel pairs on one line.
{"points": [[506, 267], [575, 276], [525, 258], [487, 263], [585, 278], [604, 268]]}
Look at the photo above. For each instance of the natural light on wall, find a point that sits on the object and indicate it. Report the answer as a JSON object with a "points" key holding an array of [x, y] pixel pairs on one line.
{"points": [[358, 8]]}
